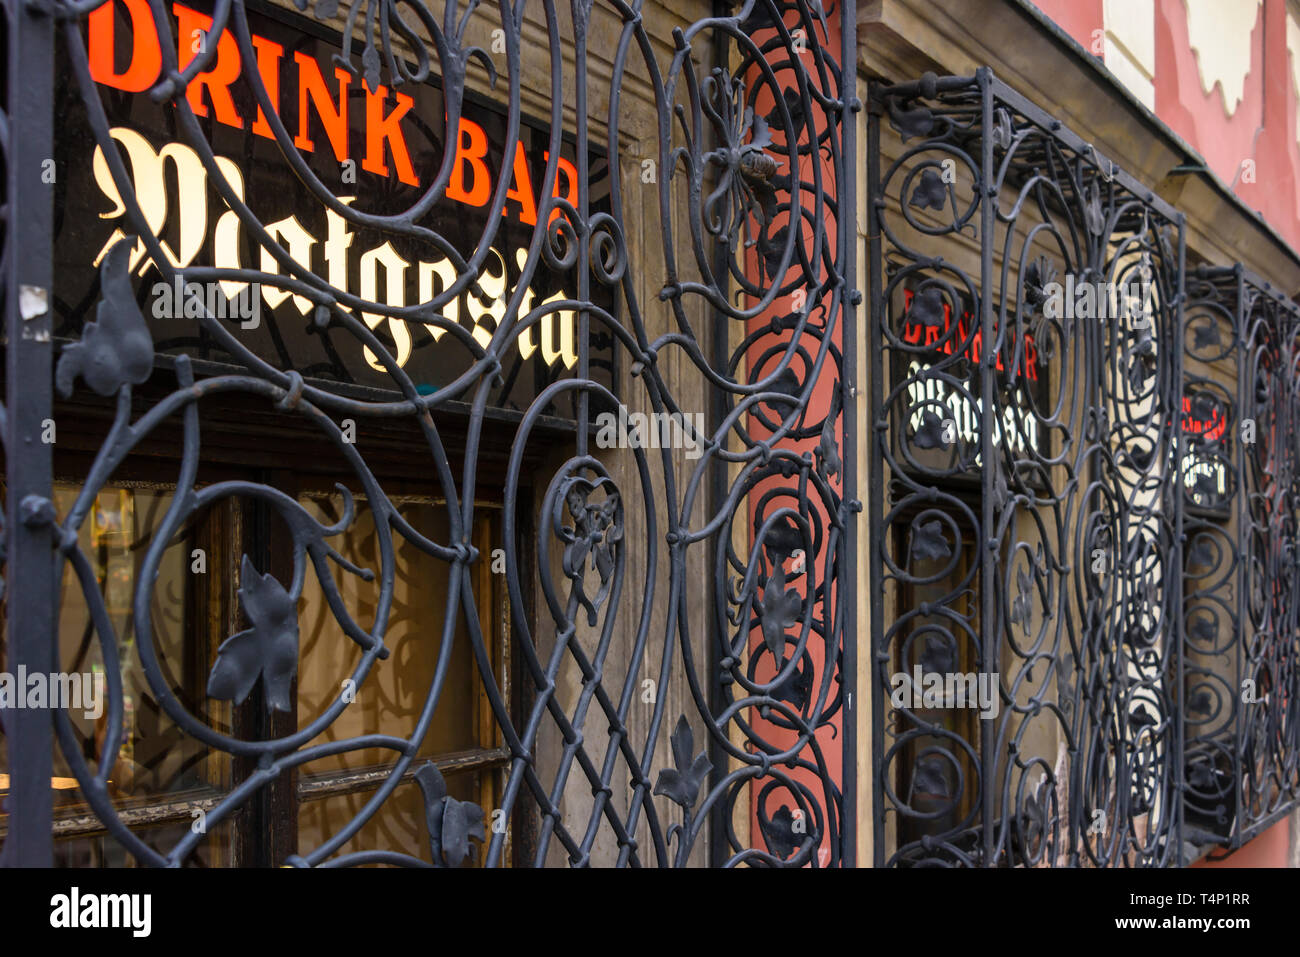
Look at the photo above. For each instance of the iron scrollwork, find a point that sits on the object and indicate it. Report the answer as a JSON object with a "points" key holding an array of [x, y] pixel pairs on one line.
{"points": [[1240, 629], [1026, 308], [755, 159]]}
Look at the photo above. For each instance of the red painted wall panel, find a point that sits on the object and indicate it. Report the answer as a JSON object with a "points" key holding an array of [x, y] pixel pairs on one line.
{"points": [[1267, 850], [1079, 18], [829, 740]]}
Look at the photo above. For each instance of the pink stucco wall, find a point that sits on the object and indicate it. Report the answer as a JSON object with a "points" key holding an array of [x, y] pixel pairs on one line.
{"points": [[1078, 18], [1261, 129]]}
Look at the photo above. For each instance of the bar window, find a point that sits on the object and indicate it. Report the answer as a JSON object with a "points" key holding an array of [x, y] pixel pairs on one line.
{"points": [[163, 780]]}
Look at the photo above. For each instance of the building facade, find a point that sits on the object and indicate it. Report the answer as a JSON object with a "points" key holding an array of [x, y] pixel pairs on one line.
{"points": [[665, 434]]}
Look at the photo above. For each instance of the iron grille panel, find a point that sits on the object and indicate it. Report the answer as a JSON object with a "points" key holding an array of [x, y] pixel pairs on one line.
{"points": [[1056, 571], [752, 130], [1240, 628]]}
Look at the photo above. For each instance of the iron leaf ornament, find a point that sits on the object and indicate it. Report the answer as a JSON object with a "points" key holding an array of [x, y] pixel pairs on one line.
{"points": [[794, 106], [269, 649], [930, 192], [930, 433], [927, 307], [1022, 606], [796, 689], [596, 532], [939, 655], [779, 610], [928, 542], [917, 121], [681, 785], [1093, 217], [451, 823], [115, 347], [1206, 335], [782, 539], [1039, 274], [757, 168], [779, 832], [828, 452]]}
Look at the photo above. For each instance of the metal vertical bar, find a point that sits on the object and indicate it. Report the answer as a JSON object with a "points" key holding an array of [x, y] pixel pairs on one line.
{"points": [[583, 161], [847, 586], [876, 435], [987, 361], [718, 409], [1176, 566], [1287, 317], [28, 385], [1245, 401]]}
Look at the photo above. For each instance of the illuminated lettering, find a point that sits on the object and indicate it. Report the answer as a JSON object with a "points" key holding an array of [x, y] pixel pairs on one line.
{"points": [[381, 129], [287, 232], [148, 173], [570, 191], [268, 67], [382, 274], [521, 188], [334, 117], [385, 146], [394, 268], [146, 53], [445, 272], [217, 80], [471, 148]]}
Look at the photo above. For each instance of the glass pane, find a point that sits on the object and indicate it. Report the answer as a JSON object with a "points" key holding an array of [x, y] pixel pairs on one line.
{"points": [[155, 758], [104, 851], [391, 698], [156, 762]]}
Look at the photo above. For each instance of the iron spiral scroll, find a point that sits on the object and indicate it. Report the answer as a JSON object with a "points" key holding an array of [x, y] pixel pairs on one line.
{"points": [[720, 578], [1055, 569]]}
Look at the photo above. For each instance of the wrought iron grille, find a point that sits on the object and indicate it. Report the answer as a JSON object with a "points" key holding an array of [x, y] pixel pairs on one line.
{"points": [[1097, 509], [1240, 629], [723, 579], [1054, 570]]}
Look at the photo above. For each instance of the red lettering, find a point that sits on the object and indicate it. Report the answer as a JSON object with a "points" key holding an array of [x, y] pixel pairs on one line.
{"points": [[381, 129], [947, 325], [1031, 359], [190, 24], [311, 87], [521, 189], [1213, 429], [268, 65], [471, 148], [571, 190], [146, 54]]}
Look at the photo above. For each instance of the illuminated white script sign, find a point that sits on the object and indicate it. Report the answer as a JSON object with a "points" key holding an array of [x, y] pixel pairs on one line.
{"points": [[377, 150], [383, 273], [928, 394], [1205, 471]]}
